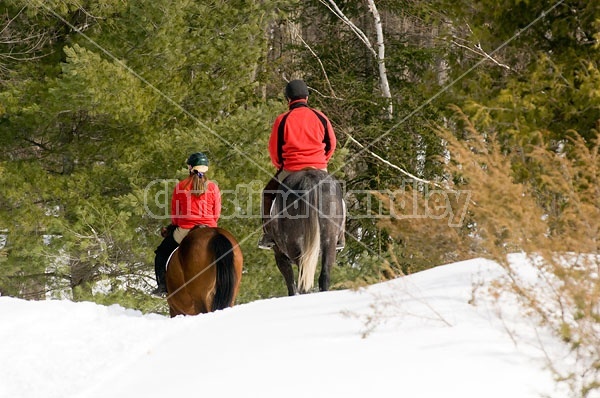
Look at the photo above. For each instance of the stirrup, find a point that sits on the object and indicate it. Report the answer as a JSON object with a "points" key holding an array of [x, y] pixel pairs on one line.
{"points": [[266, 243]]}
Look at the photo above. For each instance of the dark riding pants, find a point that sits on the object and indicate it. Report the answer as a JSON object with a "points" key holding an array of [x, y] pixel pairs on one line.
{"points": [[268, 196], [163, 251]]}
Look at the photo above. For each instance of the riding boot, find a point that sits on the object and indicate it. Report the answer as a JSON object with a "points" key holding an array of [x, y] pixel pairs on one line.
{"points": [[163, 252], [268, 196]]}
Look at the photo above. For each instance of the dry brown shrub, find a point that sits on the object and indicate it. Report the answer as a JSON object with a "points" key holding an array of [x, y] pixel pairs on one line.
{"points": [[553, 217], [428, 227]]}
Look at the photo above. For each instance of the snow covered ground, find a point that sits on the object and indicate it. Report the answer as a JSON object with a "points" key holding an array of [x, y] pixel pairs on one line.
{"points": [[417, 336]]}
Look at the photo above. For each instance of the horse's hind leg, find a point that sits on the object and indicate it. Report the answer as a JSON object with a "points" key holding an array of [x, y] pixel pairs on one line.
{"points": [[327, 261], [285, 267]]}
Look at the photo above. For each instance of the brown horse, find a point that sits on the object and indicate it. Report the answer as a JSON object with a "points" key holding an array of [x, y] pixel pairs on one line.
{"points": [[204, 273]]}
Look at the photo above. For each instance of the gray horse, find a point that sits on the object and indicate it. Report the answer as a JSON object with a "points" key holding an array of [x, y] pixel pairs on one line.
{"points": [[307, 218]]}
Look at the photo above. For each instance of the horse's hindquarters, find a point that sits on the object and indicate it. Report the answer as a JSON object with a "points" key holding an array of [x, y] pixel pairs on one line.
{"points": [[192, 282]]}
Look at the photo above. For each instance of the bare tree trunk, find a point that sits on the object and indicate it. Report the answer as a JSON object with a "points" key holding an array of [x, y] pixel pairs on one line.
{"points": [[281, 34], [379, 54], [383, 80], [294, 32]]}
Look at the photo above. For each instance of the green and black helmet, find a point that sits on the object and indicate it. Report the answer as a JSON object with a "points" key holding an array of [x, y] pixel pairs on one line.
{"points": [[197, 159]]}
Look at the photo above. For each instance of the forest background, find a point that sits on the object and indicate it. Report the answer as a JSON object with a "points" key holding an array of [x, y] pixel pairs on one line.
{"points": [[465, 128]]}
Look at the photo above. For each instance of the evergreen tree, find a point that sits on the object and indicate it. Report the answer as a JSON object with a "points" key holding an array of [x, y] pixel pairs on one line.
{"points": [[545, 70], [540, 85], [103, 117]]}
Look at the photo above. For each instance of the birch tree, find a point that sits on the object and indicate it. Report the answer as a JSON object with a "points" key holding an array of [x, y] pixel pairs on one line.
{"points": [[378, 50]]}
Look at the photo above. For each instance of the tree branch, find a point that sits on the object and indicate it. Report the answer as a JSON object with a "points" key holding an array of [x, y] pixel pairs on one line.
{"points": [[379, 54], [332, 6], [35, 143], [479, 51], [321, 64], [401, 170]]}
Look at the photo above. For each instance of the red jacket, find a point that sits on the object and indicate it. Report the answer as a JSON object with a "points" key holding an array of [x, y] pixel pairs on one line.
{"points": [[304, 141], [188, 210]]}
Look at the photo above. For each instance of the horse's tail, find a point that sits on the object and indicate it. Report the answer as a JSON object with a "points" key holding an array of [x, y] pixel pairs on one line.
{"points": [[226, 276], [312, 240]]}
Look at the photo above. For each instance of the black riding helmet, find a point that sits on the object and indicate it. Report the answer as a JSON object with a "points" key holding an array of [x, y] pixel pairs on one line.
{"points": [[296, 89], [197, 159]]}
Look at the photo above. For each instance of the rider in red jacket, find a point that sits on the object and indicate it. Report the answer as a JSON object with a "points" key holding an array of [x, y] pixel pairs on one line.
{"points": [[300, 138], [189, 210], [308, 139], [196, 201]]}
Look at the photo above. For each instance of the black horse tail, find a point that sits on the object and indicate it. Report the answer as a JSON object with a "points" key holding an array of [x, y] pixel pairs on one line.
{"points": [[307, 266], [226, 276]]}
